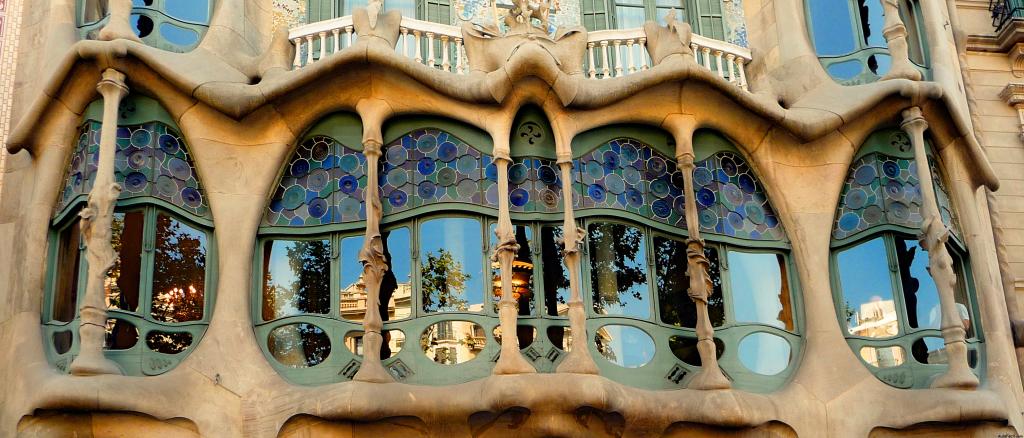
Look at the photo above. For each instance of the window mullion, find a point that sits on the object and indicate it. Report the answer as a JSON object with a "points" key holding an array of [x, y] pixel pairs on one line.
{"points": [[653, 314], [723, 272], [147, 262], [334, 289], [896, 284]]}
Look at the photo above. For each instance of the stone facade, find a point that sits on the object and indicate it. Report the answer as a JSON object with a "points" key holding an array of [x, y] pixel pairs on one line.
{"points": [[221, 127]]}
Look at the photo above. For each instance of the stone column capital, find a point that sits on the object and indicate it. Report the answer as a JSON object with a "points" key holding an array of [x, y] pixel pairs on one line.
{"points": [[372, 146], [112, 85], [913, 119]]}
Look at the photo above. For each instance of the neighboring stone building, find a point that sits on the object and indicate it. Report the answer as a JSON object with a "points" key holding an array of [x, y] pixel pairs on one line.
{"points": [[291, 218]]}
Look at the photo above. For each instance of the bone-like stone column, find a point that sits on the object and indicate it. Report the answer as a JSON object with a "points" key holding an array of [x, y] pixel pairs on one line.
{"points": [[578, 359], [895, 33], [119, 25], [96, 221], [940, 265], [710, 375], [511, 360], [374, 266]]}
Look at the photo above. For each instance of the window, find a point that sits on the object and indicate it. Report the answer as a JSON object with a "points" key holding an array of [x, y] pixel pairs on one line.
{"points": [[847, 34], [159, 289], [175, 25], [886, 300], [704, 15], [437, 11]]}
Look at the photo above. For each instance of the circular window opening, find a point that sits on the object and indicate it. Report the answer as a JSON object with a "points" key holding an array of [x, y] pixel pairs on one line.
{"points": [[624, 345], [453, 342], [299, 345]]}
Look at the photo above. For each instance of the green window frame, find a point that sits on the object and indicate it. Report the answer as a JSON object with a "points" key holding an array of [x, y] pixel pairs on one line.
{"points": [[145, 131], [164, 24], [864, 57], [895, 344], [705, 16]]}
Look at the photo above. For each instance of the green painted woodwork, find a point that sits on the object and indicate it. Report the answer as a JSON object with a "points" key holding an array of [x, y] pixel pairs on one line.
{"points": [[532, 135], [705, 16], [139, 359]]}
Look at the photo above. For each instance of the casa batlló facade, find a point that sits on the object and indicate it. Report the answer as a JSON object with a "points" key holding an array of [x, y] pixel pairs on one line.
{"points": [[255, 218]]}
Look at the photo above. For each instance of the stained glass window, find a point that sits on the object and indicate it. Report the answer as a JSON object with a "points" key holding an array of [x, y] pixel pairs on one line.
{"points": [[428, 166], [882, 189], [535, 185], [152, 160], [629, 175], [323, 183], [731, 201]]}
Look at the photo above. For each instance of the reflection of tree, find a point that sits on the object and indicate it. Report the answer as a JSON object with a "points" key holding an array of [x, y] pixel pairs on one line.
{"points": [[309, 292], [287, 343], [555, 278], [905, 258], [672, 281], [443, 282], [614, 265], [179, 272]]}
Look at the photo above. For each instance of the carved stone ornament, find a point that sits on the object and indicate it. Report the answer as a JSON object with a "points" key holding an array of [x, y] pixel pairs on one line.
{"points": [[489, 48], [672, 39]]}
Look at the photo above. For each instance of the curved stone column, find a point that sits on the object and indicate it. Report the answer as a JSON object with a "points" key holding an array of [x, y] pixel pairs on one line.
{"points": [[97, 217]]}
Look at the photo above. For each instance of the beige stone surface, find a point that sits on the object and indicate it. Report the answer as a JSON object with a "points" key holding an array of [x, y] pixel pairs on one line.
{"points": [[242, 108]]}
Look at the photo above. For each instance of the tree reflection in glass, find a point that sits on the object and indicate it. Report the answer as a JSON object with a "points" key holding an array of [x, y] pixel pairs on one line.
{"points": [[556, 277], [179, 271], [65, 298], [522, 271], [299, 345], [618, 270], [451, 265], [760, 289], [122, 283], [296, 278], [673, 284], [868, 305]]}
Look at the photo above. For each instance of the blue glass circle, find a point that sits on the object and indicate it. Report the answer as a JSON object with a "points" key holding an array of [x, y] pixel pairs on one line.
{"points": [[705, 197], [397, 198], [317, 207], [447, 151], [426, 189], [891, 169], [864, 174], [661, 208], [634, 198], [702, 176], [491, 172], [426, 166], [596, 192], [517, 173], [746, 183], [299, 167], [548, 175], [729, 166], [849, 221], [141, 138], [169, 144], [610, 160], [519, 197], [135, 181], [348, 184], [191, 197]]}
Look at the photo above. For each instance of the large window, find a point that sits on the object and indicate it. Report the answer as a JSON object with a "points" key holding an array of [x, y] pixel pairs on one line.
{"points": [[157, 292], [438, 187], [704, 15], [886, 300], [847, 35], [176, 25]]}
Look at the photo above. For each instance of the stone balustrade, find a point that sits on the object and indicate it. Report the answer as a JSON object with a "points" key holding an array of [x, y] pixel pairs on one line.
{"points": [[610, 53]]}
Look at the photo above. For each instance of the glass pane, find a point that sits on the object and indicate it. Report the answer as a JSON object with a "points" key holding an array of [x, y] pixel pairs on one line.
{"points": [[351, 5], [62, 341], [845, 70], [168, 342], [396, 286], [664, 6], [121, 335], [453, 342], [624, 345], [141, 25], [560, 337], [353, 287], [685, 349], [122, 283], [522, 270], [393, 342], [872, 22], [930, 350], [760, 289], [179, 271], [451, 265], [65, 289], [618, 270], [556, 277], [196, 11], [868, 306], [879, 64], [673, 284], [296, 278], [629, 17], [884, 357], [831, 27], [764, 353], [920, 293], [178, 36], [299, 345]]}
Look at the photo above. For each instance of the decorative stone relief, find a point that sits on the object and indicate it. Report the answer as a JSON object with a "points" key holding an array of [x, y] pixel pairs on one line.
{"points": [[488, 13], [735, 22], [289, 13], [1013, 95]]}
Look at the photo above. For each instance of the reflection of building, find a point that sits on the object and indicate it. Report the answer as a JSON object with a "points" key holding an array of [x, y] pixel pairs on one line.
{"points": [[353, 301], [452, 342], [876, 319]]}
